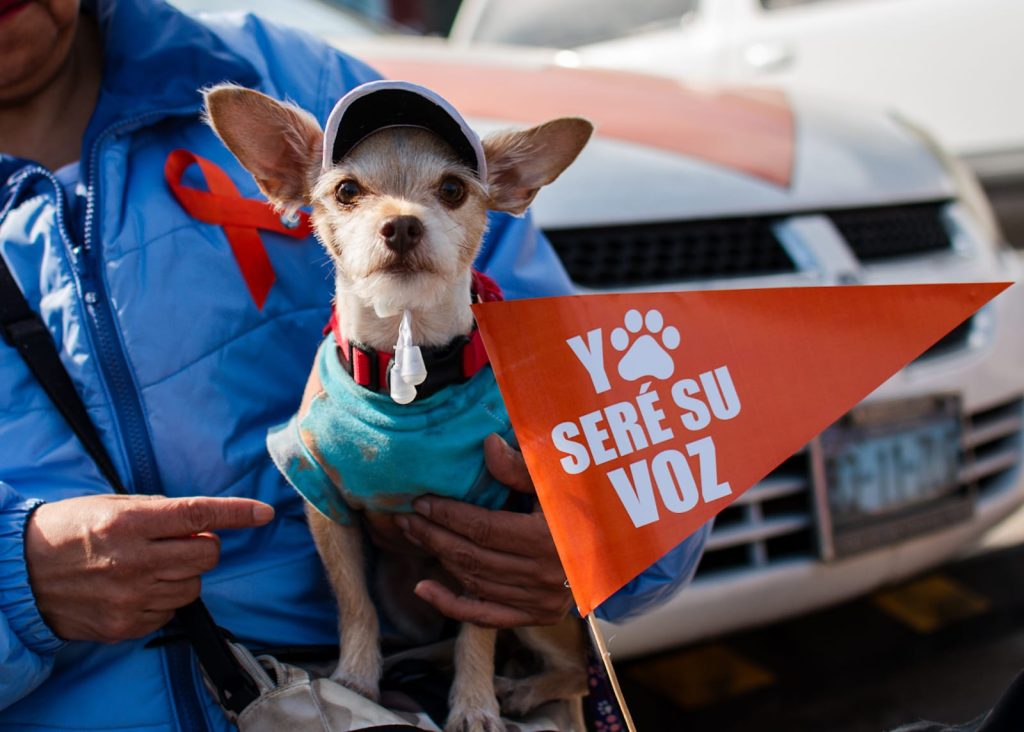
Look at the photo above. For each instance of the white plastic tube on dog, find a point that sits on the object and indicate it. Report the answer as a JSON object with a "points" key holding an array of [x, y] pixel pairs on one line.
{"points": [[408, 370]]}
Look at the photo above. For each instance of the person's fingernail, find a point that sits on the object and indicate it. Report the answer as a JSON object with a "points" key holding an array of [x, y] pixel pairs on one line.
{"points": [[262, 513], [405, 525], [422, 506]]}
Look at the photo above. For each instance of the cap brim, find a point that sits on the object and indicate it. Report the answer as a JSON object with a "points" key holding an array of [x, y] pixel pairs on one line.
{"points": [[382, 104]]}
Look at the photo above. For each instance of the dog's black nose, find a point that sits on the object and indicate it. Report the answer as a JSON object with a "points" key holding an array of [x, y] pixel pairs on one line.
{"points": [[402, 233]]}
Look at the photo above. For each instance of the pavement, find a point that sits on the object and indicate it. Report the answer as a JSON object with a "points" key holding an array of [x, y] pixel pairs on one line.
{"points": [[941, 646]]}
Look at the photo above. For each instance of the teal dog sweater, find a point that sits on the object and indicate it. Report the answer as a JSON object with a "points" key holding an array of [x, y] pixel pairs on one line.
{"points": [[351, 448]]}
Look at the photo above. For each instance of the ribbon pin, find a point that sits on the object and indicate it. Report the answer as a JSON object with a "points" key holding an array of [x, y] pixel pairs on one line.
{"points": [[240, 217]]}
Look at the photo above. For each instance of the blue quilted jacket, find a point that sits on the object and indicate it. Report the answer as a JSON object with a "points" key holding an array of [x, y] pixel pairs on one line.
{"points": [[181, 373]]}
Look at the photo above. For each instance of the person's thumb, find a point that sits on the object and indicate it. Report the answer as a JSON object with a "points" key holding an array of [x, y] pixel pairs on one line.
{"points": [[506, 464], [174, 517]]}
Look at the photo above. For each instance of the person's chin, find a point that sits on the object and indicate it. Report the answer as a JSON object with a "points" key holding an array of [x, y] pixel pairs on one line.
{"points": [[11, 9], [32, 49]]}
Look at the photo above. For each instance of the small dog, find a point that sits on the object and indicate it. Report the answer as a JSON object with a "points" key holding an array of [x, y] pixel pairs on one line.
{"points": [[400, 188]]}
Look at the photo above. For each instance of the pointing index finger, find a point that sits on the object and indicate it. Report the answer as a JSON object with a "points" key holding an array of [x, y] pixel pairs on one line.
{"points": [[177, 517]]}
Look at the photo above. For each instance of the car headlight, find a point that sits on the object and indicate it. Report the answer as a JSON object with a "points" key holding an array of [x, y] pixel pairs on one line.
{"points": [[968, 190]]}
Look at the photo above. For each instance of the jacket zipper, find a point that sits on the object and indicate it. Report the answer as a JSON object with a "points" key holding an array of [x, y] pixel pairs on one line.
{"points": [[127, 403]]}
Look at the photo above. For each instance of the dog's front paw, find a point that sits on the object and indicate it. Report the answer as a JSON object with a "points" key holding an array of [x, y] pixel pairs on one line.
{"points": [[519, 697], [466, 719], [366, 685], [516, 696]]}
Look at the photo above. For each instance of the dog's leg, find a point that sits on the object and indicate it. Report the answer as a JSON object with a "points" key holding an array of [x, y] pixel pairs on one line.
{"points": [[562, 650], [472, 704], [341, 549]]}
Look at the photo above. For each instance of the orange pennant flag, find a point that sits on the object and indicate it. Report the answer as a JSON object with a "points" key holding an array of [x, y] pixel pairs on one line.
{"points": [[643, 415]]}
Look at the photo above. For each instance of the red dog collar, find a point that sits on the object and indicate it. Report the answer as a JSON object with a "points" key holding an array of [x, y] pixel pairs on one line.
{"points": [[453, 363]]}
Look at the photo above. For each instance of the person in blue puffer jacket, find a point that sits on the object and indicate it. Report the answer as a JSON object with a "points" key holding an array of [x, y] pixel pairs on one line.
{"points": [[182, 373]]}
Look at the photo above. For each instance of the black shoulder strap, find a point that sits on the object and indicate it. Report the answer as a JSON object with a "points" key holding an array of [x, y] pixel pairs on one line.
{"points": [[23, 329]]}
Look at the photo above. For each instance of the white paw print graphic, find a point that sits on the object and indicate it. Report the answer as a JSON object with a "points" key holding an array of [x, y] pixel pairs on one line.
{"points": [[646, 357]]}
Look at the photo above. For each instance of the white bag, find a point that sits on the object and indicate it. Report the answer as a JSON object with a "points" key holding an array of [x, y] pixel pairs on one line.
{"points": [[294, 698]]}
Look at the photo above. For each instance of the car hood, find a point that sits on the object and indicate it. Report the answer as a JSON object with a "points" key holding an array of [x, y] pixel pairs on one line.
{"points": [[666, 150]]}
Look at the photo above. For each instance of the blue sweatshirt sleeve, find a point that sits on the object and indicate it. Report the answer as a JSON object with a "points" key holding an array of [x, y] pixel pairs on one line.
{"points": [[27, 645], [658, 583], [520, 258]]}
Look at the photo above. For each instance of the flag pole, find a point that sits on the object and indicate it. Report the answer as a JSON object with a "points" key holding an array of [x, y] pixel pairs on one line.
{"points": [[606, 659]]}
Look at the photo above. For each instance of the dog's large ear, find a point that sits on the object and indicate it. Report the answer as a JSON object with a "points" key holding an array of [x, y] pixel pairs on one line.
{"points": [[278, 143], [519, 163]]}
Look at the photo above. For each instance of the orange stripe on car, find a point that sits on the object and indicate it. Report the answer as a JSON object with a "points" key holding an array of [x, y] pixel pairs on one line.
{"points": [[749, 130]]}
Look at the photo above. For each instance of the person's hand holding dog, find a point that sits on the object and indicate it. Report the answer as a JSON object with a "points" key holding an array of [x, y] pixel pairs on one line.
{"points": [[506, 562], [108, 568]]}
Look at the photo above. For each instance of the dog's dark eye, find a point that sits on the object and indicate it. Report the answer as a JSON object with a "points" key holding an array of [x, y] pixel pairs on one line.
{"points": [[348, 191], [452, 191]]}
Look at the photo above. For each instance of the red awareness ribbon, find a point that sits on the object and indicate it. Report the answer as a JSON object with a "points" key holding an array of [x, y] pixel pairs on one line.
{"points": [[241, 218]]}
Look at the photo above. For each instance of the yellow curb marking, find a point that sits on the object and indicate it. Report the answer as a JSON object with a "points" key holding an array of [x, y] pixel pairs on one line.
{"points": [[701, 677], [932, 603]]}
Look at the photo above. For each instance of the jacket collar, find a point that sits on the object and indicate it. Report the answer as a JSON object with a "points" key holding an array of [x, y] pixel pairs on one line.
{"points": [[155, 60]]}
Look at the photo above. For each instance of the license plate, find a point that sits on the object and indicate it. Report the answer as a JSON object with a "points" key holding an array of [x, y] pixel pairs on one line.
{"points": [[892, 471]]}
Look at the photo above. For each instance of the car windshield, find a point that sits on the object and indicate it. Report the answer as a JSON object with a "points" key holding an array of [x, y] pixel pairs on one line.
{"points": [[319, 17], [571, 23]]}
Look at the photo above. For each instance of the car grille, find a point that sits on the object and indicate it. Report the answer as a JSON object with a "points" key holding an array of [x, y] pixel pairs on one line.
{"points": [[771, 522], [610, 257], [651, 254], [891, 232], [775, 520], [992, 441]]}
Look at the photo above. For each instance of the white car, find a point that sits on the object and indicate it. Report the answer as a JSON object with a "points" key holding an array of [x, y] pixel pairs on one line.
{"points": [[693, 188], [953, 66]]}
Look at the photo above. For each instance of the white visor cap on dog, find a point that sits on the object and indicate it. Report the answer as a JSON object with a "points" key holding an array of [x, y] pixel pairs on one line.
{"points": [[378, 105]]}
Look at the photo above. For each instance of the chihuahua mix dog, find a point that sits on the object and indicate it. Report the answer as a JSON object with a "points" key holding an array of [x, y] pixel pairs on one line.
{"points": [[399, 188]]}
